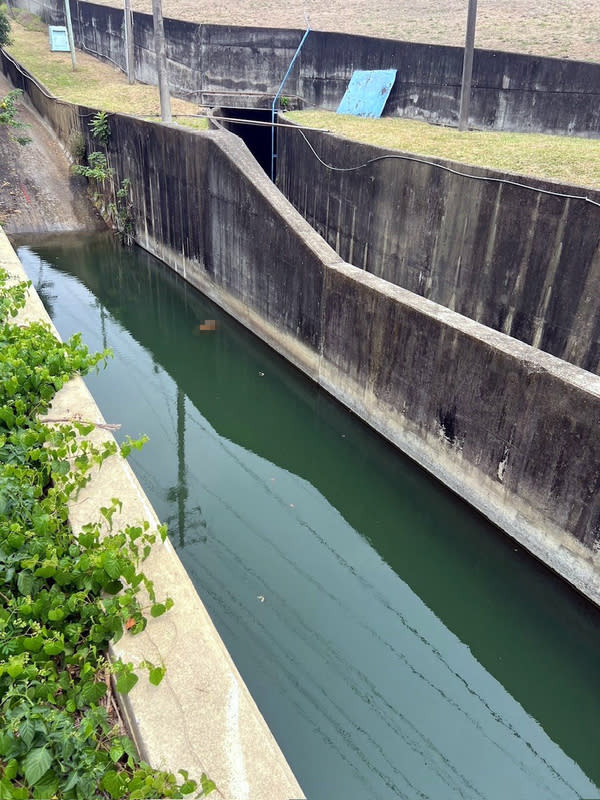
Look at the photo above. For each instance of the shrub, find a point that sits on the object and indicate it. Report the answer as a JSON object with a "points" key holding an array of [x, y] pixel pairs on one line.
{"points": [[62, 599], [4, 28]]}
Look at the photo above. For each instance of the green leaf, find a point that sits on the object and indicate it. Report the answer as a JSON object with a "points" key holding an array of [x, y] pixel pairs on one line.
{"points": [[15, 666], [113, 784], [85, 786], [208, 786], [158, 609], [116, 751], [7, 744], [7, 416], [129, 747], [36, 764], [87, 539], [34, 643], [46, 570], [47, 787], [92, 692], [27, 731], [156, 674], [10, 770], [126, 682], [73, 780], [111, 564], [16, 540], [7, 789], [25, 583], [53, 648]]}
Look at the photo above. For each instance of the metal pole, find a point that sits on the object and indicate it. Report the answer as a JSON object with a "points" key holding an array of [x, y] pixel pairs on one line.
{"points": [[465, 92], [70, 33], [129, 43], [161, 61], [276, 98]]}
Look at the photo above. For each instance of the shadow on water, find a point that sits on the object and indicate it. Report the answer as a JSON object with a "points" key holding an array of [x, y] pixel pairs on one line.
{"points": [[396, 642]]}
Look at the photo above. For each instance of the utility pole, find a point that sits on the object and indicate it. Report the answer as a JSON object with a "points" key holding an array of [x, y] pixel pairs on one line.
{"points": [[467, 76], [70, 33], [161, 61], [129, 43]]}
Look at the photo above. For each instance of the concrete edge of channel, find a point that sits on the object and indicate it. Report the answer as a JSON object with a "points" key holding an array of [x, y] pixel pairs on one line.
{"points": [[201, 717]]}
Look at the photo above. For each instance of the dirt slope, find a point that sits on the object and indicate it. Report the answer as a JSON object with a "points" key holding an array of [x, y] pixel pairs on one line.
{"points": [[37, 191]]}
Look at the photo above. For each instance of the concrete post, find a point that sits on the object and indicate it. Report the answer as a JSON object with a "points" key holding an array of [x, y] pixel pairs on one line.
{"points": [[161, 61], [70, 33], [129, 43], [465, 92]]}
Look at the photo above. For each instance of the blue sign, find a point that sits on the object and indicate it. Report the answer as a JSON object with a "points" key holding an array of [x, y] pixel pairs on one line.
{"points": [[367, 93], [59, 41]]}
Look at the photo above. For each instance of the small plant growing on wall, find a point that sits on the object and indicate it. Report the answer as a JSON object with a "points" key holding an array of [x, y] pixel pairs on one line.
{"points": [[96, 169], [8, 114], [77, 147], [100, 128], [122, 213]]}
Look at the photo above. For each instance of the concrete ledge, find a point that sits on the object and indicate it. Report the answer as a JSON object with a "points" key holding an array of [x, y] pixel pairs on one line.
{"points": [[201, 717]]}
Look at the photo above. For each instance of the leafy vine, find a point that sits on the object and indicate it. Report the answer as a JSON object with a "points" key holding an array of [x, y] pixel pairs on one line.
{"points": [[64, 598]]}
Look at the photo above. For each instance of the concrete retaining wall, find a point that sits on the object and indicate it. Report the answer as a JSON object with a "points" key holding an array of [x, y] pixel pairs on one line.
{"points": [[511, 92], [520, 261], [509, 428]]}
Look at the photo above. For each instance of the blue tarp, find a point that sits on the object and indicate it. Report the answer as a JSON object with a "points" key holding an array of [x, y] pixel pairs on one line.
{"points": [[367, 92]]}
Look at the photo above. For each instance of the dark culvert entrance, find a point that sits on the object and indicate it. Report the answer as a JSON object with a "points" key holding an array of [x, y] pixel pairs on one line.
{"points": [[256, 137]]}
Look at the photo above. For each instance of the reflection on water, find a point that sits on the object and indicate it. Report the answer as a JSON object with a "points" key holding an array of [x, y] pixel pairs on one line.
{"points": [[396, 643]]}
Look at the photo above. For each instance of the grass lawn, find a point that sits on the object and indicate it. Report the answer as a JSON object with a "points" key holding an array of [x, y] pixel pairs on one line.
{"points": [[94, 82], [558, 158]]}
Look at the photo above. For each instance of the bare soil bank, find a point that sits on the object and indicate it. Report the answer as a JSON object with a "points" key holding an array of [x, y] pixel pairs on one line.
{"points": [[558, 28], [38, 193]]}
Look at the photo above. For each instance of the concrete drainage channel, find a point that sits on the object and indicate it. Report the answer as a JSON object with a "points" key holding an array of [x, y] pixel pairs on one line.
{"points": [[397, 360], [229, 740]]}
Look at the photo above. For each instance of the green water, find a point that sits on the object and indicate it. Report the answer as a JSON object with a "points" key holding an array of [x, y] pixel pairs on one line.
{"points": [[404, 647]]}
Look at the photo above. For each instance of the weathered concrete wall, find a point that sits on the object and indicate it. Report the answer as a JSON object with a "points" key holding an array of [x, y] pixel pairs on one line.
{"points": [[520, 261], [509, 428], [511, 92]]}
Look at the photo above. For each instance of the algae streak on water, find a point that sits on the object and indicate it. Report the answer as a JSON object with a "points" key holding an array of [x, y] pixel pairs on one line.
{"points": [[397, 644]]}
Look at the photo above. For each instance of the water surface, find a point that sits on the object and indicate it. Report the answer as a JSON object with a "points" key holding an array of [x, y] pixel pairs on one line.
{"points": [[397, 644]]}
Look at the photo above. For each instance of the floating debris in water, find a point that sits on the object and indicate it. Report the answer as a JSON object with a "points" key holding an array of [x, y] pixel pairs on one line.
{"points": [[207, 325]]}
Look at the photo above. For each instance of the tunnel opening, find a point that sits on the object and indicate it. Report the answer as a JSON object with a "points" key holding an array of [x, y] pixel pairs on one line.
{"points": [[257, 137]]}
